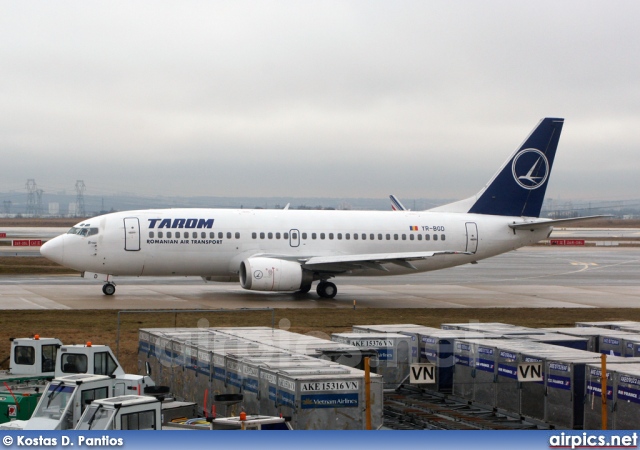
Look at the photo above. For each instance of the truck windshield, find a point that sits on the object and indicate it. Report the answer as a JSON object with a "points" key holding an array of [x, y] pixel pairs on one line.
{"points": [[96, 418], [54, 402]]}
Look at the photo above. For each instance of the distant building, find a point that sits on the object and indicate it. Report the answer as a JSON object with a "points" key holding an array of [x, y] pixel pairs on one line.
{"points": [[54, 208]]}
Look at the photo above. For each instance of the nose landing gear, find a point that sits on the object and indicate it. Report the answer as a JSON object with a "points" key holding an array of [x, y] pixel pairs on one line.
{"points": [[109, 288]]}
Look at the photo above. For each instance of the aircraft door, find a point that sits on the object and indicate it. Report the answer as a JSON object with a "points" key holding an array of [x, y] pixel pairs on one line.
{"points": [[294, 238], [472, 237], [131, 234]]}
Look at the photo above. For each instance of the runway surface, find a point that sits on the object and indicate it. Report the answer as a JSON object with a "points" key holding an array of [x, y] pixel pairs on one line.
{"points": [[531, 277]]}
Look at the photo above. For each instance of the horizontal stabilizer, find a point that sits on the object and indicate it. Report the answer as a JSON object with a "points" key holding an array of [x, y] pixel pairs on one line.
{"points": [[546, 223]]}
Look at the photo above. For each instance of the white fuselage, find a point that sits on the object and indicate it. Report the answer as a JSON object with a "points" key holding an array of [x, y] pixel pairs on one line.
{"points": [[214, 242]]}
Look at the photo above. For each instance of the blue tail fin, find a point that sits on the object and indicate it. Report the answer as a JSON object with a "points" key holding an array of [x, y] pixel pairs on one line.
{"points": [[518, 188]]}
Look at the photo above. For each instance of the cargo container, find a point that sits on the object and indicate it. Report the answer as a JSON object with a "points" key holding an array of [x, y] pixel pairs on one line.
{"points": [[565, 383], [437, 347], [393, 353]]}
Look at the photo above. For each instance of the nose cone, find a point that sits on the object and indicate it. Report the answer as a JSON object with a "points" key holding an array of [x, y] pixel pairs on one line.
{"points": [[54, 249]]}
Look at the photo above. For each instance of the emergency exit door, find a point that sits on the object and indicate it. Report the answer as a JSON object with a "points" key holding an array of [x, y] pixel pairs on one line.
{"points": [[294, 238], [131, 234], [472, 237]]}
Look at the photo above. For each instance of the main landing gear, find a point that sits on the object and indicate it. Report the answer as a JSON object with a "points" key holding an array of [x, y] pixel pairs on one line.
{"points": [[109, 289], [326, 289]]}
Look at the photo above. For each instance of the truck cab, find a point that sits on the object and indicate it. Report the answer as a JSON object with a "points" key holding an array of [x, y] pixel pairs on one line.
{"points": [[66, 398], [33, 357], [126, 412], [87, 358]]}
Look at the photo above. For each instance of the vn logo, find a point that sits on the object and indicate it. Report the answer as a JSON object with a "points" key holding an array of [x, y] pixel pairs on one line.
{"points": [[422, 374], [530, 372]]}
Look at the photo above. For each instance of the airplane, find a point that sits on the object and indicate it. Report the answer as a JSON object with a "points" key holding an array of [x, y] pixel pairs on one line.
{"points": [[289, 250], [396, 205]]}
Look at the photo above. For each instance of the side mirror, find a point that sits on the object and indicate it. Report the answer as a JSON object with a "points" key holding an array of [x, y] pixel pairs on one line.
{"points": [[147, 367]]}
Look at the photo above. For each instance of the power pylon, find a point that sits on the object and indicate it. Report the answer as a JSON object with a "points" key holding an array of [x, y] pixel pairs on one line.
{"points": [[80, 188]]}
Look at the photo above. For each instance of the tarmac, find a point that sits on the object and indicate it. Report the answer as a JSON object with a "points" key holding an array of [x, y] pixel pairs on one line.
{"points": [[532, 277]]}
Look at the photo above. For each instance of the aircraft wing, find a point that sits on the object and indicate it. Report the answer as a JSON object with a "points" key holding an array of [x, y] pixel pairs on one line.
{"points": [[342, 263], [545, 223]]}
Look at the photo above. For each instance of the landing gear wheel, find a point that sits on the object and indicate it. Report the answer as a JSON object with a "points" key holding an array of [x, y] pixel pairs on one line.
{"points": [[109, 289], [326, 289]]}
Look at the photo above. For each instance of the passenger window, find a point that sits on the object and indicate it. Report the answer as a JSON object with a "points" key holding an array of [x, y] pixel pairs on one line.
{"points": [[314, 235], [254, 235], [294, 236], [419, 237], [270, 235], [228, 235], [177, 235], [304, 236], [160, 235], [151, 234], [186, 235], [435, 237], [104, 364], [168, 234], [25, 355], [347, 236], [92, 394], [339, 235], [144, 420], [49, 353], [411, 237], [74, 363], [278, 235], [212, 235], [237, 235], [321, 235], [330, 235], [395, 237], [442, 237], [388, 236], [262, 235], [355, 236], [285, 235], [379, 237], [404, 237]]}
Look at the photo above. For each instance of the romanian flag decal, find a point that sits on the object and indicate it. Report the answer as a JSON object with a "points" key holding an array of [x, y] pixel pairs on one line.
{"points": [[413, 228]]}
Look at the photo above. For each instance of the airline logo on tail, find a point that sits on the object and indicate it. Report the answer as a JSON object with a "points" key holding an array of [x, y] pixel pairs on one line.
{"points": [[530, 168]]}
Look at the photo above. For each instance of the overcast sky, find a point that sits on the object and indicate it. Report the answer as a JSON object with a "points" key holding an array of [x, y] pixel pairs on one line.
{"points": [[420, 98]]}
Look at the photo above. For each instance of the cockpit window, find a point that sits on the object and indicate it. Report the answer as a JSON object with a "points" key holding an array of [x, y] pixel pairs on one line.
{"points": [[83, 231]]}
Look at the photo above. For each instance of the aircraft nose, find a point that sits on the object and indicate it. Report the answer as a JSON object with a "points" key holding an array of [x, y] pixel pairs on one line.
{"points": [[54, 249]]}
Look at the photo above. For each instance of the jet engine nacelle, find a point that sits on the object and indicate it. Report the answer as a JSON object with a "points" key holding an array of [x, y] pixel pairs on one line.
{"points": [[271, 274]]}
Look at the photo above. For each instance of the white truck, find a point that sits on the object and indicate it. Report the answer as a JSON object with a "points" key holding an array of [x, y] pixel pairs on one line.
{"points": [[67, 397], [31, 358], [134, 412], [35, 361], [126, 412], [37, 358]]}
